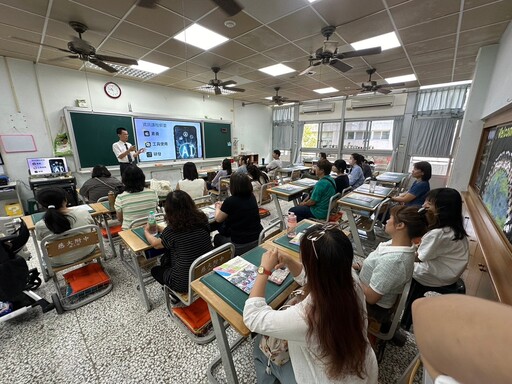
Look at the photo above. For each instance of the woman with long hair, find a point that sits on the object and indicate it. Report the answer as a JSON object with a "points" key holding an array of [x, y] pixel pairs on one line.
{"points": [[342, 182], [326, 331], [191, 182], [356, 176], [186, 237], [240, 216], [225, 171], [136, 201], [443, 253], [100, 184], [58, 219], [258, 178]]}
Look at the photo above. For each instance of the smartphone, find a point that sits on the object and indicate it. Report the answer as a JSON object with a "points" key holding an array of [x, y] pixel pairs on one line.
{"points": [[185, 141]]}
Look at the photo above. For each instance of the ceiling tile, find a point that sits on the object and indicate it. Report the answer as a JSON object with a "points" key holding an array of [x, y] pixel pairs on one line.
{"points": [[6, 31], [487, 33], [158, 80], [386, 56], [439, 27], [177, 48], [63, 31], [419, 11], [162, 59], [468, 50], [258, 61], [16, 55], [15, 18], [286, 52], [489, 14], [123, 48], [393, 64], [433, 57], [163, 21], [11, 45], [463, 76], [436, 80], [346, 11], [468, 4], [256, 75], [113, 8], [267, 11], [137, 35], [392, 3], [232, 50], [37, 7], [192, 68], [433, 45], [311, 43], [66, 11], [215, 22], [192, 9], [370, 26], [235, 68], [261, 39], [208, 60], [298, 24]]}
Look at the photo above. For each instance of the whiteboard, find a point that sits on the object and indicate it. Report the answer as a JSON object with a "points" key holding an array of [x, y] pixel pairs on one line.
{"points": [[18, 143]]}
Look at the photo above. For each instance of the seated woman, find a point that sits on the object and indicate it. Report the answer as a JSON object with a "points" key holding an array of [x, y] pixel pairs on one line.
{"points": [[326, 331], [99, 185], [240, 214], [356, 177], [258, 178], [186, 237], [58, 219], [443, 253], [342, 181], [191, 182], [242, 164], [318, 203], [136, 201], [422, 172], [225, 171], [386, 270]]}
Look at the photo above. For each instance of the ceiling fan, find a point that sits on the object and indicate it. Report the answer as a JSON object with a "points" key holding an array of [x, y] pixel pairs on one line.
{"points": [[84, 51], [280, 100], [230, 7], [372, 86], [328, 54], [219, 85]]}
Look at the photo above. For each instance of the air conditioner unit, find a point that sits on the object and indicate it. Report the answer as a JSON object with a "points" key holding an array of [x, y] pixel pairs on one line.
{"points": [[370, 102], [317, 108]]}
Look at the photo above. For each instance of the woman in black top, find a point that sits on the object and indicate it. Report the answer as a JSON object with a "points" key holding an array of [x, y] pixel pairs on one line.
{"points": [[342, 182], [186, 237], [241, 216]]}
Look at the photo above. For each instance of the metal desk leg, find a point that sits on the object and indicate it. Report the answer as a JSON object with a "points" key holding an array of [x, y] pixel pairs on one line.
{"points": [[278, 210], [353, 230], [142, 285], [223, 344], [46, 276], [109, 236]]}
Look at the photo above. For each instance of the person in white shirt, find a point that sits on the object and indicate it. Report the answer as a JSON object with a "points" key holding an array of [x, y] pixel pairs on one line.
{"points": [[327, 330], [191, 182], [124, 151], [275, 163], [443, 253]]}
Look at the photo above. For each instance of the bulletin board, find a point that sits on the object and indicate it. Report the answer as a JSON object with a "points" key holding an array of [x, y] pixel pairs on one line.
{"points": [[18, 143]]}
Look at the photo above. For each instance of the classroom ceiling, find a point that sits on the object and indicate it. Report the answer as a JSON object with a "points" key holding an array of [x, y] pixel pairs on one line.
{"points": [[440, 39]]}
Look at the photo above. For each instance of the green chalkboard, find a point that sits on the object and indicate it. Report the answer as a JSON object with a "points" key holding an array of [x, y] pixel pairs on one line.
{"points": [[217, 140], [94, 135]]}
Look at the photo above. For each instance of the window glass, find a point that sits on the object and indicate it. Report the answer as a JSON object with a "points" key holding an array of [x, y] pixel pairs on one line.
{"points": [[440, 165], [381, 134], [310, 135], [330, 135], [355, 132]]}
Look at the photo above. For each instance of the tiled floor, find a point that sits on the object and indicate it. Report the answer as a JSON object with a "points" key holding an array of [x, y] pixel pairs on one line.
{"points": [[114, 339]]}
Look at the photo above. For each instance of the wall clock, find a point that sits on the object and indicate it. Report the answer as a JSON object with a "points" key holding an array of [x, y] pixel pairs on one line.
{"points": [[112, 90]]}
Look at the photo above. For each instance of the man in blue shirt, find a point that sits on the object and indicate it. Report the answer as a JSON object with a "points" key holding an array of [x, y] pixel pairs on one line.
{"points": [[318, 203]]}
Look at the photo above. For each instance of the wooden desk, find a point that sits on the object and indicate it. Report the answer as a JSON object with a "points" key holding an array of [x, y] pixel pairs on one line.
{"points": [[394, 178], [310, 183], [356, 202], [380, 191], [220, 310], [270, 243], [286, 192]]}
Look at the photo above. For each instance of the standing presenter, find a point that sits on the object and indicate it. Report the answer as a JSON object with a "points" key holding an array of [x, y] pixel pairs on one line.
{"points": [[124, 151]]}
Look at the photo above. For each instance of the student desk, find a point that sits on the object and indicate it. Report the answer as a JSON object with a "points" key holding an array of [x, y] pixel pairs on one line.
{"points": [[220, 310], [281, 241], [353, 203], [394, 178], [310, 183], [286, 192], [380, 191], [31, 220]]}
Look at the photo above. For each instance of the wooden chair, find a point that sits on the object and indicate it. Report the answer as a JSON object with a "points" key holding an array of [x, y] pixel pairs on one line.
{"points": [[56, 254], [223, 191], [383, 336], [265, 197], [193, 316]]}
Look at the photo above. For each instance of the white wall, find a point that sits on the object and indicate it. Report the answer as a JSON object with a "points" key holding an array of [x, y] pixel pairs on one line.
{"points": [[43, 91]]}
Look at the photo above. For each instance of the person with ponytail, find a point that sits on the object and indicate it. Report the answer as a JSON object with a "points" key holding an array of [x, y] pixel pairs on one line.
{"points": [[327, 330], [58, 219], [356, 176]]}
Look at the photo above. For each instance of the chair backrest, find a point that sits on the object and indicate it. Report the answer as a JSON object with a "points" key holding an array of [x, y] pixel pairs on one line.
{"points": [[333, 203], [346, 190], [265, 197], [143, 220], [202, 201], [295, 175], [102, 199], [205, 264], [224, 186], [272, 229], [399, 308]]}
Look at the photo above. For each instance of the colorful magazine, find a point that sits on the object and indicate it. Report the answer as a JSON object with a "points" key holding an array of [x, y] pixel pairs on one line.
{"points": [[238, 272]]}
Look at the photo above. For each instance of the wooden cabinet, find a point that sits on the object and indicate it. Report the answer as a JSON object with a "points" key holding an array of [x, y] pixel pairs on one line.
{"points": [[478, 281]]}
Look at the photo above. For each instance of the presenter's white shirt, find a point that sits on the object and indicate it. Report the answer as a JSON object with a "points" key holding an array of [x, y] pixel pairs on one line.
{"points": [[119, 147]]}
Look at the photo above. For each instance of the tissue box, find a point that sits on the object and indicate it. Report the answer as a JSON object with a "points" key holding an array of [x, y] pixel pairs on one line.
{"points": [[13, 209]]}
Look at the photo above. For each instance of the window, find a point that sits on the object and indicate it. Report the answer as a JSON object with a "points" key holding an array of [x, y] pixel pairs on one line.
{"points": [[440, 165], [369, 135], [310, 136], [321, 135]]}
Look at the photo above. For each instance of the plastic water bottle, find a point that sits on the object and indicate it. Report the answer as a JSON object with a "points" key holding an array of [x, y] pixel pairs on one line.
{"points": [[153, 229], [292, 224]]}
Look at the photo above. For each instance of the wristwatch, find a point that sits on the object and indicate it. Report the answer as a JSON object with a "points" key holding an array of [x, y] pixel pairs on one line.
{"points": [[263, 271]]}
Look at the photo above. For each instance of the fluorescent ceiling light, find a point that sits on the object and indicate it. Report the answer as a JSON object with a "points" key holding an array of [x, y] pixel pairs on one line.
{"points": [[127, 71], [200, 37], [150, 67], [446, 84], [276, 70], [269, 98], [326, 90], [401, 79], [210, 89], [312, 1], [386, 41]]}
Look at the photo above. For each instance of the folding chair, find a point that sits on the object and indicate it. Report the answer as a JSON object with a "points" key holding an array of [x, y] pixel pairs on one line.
{"points": [[333, 203], [193, 316], [223, 191], [271, 230], [203, 201], [85, 284], [383, 336], [265, 197]]}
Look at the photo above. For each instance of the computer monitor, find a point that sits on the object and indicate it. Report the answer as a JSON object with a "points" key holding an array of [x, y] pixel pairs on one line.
{"points": [[46, 166]]}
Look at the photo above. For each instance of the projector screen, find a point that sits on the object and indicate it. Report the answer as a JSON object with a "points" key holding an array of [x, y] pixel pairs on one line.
{"points": [[168, 139]]}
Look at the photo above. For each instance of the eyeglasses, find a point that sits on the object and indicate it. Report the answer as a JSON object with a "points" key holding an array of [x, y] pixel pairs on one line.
{"points": [[318, 234]]}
